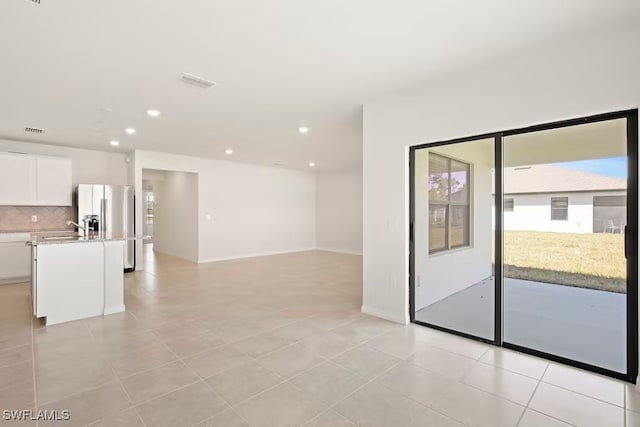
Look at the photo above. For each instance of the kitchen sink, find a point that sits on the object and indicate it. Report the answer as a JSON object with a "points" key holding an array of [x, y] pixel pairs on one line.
{"points": [[68, 237]]}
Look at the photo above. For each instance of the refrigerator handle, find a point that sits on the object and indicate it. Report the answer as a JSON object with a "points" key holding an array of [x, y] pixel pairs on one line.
{"points": [[103, 215]]}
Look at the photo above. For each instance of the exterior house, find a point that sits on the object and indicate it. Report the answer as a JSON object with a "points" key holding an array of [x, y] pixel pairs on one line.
{"points": [[560, 199]]}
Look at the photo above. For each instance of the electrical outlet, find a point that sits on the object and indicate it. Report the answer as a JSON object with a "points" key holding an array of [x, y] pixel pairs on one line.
{"points": [[34, 218]]}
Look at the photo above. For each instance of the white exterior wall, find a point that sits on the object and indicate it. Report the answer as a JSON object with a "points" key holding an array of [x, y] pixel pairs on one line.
{"points": [[532, 212], [441, 274], [575, 78]]}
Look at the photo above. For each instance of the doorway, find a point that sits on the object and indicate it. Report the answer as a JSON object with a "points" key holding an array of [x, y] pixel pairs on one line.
{"points": [[527, 239], [170, 212]]}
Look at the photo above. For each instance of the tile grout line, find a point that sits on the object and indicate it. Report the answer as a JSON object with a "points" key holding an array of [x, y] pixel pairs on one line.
{"points": [[126, 393], [586, 395], [455, 380], [229, 406], [362, 386], [118, 379], [535, 390], [288, 380], [203, 380], [512, 371], [33, 369], [144, 402]]}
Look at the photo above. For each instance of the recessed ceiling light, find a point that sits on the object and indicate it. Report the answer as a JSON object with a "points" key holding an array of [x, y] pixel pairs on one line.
{"points": [[114, 143], [303, 129], [312, 164], [130, 131], [153, 113], [228, 151]]}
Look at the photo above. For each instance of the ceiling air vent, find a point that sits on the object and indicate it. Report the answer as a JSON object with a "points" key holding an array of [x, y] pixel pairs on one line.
{"points": [[34, 1], [33, 130], [196, 81]]}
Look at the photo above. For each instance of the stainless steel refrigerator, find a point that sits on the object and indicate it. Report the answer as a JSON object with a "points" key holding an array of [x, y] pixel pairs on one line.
{"points": [[112, 209]]}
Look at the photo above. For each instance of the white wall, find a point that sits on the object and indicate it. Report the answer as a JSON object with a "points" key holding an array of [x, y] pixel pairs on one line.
{"points": [[254, 210], [339, 211], [89, 166], [576, 78], [532, 212], [176, 215], [442, 274]]}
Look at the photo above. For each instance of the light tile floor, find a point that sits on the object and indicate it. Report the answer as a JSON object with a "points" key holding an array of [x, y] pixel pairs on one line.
{"points": [[279, 341]]}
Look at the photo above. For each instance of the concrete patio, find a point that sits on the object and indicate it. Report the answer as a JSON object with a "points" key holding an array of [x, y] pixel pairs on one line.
{"points": [[581, 324]]}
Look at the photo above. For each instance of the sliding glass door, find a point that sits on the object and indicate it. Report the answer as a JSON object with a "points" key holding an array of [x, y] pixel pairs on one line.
{"points": [[453, 243], [528, 239], [565, 270]]}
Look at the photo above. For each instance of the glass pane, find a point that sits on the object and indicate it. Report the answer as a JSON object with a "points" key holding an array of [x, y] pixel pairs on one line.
{"points": [[437, 228], [559, 202], [454, 289], [459, 226], [609, 214], [508, 205], [458, 182], [438, 178], [559, 214], [565, 278]]}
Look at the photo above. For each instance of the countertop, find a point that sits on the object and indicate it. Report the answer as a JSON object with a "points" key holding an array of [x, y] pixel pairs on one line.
{"points": [[67, 238]]}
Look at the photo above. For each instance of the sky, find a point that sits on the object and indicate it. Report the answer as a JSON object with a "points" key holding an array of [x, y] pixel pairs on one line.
{"points": [[614, 166]]}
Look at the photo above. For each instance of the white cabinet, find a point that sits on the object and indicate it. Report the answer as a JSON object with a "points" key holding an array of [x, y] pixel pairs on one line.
{"points": [[28, 180], [17, 179], [15, 257], [76, 280], [53, 181]]}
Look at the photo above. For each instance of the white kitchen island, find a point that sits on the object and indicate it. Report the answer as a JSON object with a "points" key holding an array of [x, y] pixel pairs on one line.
{"points": [[75, 277]]}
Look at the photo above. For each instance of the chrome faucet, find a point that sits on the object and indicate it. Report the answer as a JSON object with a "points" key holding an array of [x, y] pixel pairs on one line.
{"points": [[85, 229], [76, 224]]}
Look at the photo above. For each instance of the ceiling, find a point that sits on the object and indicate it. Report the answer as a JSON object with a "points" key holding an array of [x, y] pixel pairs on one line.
{"points": [[84, 70], [590, 141]]}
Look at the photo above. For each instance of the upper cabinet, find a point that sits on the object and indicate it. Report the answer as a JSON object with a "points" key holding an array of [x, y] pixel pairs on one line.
{"points": [[17, 179], [27, 180], [53, 181]]}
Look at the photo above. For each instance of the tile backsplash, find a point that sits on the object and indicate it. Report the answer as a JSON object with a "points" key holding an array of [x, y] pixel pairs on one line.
{"points": [[50, 218]]}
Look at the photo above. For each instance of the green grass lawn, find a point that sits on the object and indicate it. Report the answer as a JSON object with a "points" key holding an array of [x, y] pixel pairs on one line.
{"points": [[594, 261]]}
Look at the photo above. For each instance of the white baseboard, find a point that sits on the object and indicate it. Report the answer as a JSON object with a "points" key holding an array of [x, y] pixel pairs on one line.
{"points": [[340, 251], [253, 255], [394, 317], [13, 280], [113, 309]]}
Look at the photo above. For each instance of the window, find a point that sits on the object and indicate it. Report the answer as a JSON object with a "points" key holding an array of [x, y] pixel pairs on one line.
{"points": [[449, 203], [609, 214], [508, 205], [559, 208], [151, 204]]}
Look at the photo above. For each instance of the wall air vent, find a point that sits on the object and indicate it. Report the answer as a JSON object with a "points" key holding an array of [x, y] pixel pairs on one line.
{"points": [[33, 130], [196, 81]]}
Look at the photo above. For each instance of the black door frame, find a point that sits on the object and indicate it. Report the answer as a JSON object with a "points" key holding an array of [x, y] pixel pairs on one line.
{"points": [[631, 238]]}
